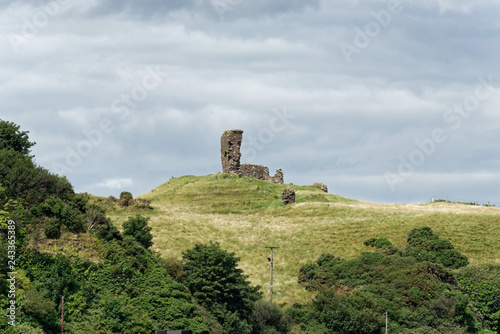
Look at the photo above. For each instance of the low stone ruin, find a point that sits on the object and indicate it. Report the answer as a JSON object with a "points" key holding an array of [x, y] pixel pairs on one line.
{"points": [[288, 196], [260, 172], [322, 186], [230, 143]]}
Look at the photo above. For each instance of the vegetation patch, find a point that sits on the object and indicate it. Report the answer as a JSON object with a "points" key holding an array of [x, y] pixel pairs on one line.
{"points": [[190, 255]]}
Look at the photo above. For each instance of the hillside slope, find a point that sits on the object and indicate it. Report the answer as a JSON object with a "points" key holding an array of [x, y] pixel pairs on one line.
{"points": [[245, 215]]}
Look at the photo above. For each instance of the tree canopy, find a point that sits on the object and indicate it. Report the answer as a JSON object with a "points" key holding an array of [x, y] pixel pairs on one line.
{"points": [[213, 276], [414, 285], [138, 228], [12, 137]]}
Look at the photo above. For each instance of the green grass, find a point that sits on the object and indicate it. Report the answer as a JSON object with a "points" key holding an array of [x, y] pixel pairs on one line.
{"points": [[245, 215]]}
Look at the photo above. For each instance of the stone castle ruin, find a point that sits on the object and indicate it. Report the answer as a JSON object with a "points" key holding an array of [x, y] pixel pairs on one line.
{"points": [[230, 143]]}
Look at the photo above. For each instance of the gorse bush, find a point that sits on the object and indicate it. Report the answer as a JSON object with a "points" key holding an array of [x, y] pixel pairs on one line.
{"points": [[137, 227], [270, 319], [126, 198], [424, 245], [412, 285], [53, 229]]}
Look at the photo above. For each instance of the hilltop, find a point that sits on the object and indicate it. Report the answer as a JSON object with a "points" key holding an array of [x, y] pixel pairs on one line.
{"points": [[210, 232], [244, 215]]}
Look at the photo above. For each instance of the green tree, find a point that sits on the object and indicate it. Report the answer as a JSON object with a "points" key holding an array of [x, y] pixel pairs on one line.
{"points": [[216, 282], [11, 137], [270, 319], [138, 228], [481, 283]]}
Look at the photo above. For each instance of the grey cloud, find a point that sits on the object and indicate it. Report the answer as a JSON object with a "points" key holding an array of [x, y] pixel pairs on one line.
{"points": [[353, 120], [232, 9]]}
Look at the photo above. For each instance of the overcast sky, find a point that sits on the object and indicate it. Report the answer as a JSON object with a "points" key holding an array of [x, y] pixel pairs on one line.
{"points": [[383, 101]]}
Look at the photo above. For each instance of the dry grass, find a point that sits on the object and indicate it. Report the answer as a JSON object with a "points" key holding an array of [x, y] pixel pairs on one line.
{"points": [[245, 215], [84, 246]]}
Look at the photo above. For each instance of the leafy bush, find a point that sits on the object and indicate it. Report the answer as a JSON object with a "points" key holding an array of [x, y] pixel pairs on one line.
{"points": [[174, 268], [270, 319], [381, 243], [213, 276], [417, 291], [12, 138], [97, 222], [53, 229], [138, 228], [355, 313], [126, 199], [424, 245], [481, 283]]}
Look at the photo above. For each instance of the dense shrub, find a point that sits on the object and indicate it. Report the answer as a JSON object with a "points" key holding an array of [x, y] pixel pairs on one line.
{"points": [[213, 276], [270, 319], [416, 290], [126, 198], [383, 244], [12, 138], [424, 245], [138, 228], [97, 222], [481, 283], [53, 229], [380, 243], [355, 312]]}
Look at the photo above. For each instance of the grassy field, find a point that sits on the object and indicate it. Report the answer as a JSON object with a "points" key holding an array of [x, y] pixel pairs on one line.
{"points": [[245, 215]]}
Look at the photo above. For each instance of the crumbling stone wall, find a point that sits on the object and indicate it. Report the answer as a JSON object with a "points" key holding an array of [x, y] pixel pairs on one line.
{"points": [[279, 177], [258, 172], [230, 143]]}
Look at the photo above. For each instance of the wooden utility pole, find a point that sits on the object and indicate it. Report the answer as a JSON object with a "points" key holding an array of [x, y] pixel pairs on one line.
{"points": [[271, 261], [386, 322], [62, 315]]}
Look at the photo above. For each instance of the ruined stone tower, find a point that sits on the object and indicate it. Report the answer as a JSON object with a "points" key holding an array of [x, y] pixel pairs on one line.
{"points": [[230, 144]]}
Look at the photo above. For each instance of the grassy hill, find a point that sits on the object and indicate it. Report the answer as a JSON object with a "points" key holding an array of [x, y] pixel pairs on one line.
{"points": [[245, 215]]}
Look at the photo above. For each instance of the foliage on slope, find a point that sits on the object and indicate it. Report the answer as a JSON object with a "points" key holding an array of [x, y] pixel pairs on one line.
{"points": [[128, 288], [414, 285]]}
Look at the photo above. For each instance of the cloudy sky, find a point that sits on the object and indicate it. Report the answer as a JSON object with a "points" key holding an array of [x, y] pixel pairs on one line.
{"points": [[383, 101]]}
